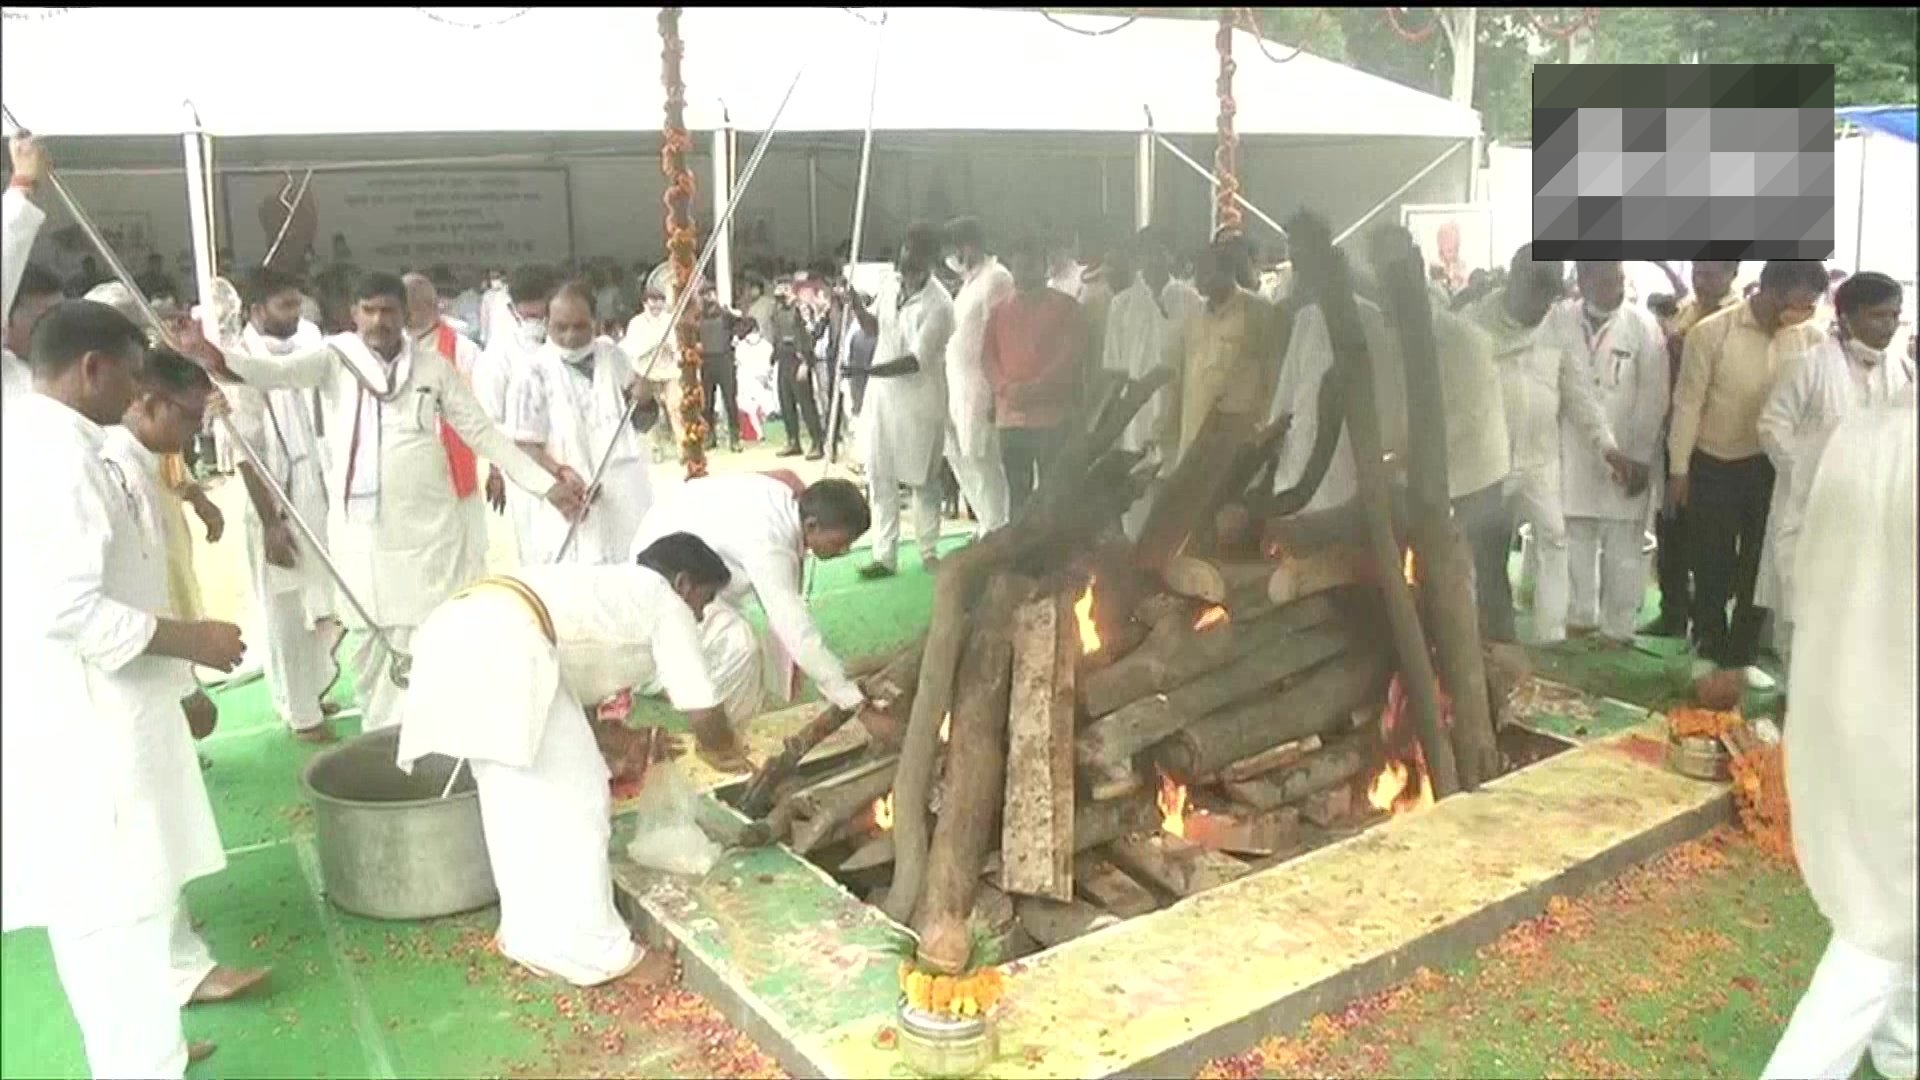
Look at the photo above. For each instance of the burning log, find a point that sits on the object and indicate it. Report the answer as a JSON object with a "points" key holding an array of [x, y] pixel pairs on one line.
{"points": [[1175, 651], [1301, 576], [1107, 885], [1076, 499], [1094, 823], [1314, 705], [1264, 657], [1211, 581], [1353, 365], [1173, 865], [1447, 567], [1263, 762], [1105, 615], [1198, 484], [1036, 839], [976, 775], [820, 813], [1052, 923], [1322, 770], [1249, 832]]}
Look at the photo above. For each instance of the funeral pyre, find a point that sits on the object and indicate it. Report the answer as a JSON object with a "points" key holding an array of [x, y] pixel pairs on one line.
{"points": [[1092, 728]]}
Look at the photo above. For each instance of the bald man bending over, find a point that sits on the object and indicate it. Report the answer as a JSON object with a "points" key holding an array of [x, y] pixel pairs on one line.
{"points": [[429, 329]]}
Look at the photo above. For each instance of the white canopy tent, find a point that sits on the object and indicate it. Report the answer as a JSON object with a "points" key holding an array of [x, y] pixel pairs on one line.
{"points": [[576, 86]]}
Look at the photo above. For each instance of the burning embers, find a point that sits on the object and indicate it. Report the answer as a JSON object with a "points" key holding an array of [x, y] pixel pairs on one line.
{"points": [[1083, 616], [1402, 785], [1173, 806]]}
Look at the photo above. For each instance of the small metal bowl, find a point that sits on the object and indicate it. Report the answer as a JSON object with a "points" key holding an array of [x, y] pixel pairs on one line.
{"points": [[1699, 758], [946, 1046]]}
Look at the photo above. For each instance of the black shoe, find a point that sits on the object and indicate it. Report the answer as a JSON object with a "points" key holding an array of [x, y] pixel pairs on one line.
{"points": [[816, 455], [1665, 627], [791, 451], [733, 444]]}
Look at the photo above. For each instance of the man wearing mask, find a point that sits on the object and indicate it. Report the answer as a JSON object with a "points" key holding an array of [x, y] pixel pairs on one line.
{"points": [[1619, 355], [294, 593], [1543, 394], [653, 349], [1719, 471], [520, 332], [567, 408], [1225, 358], [1847, 372], [973, 442], [793, 348], [904, 416], [1036, 342], [430, 330], [394, 528], [1712, 291]]}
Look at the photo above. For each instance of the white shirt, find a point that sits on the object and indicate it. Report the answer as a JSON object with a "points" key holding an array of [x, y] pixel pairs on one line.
{"points": [[753, 523], [20, 222], [1138, 336], [969, 398], [102, 807], [576, 419], [1621, 364], [905, 416], [649, 340], [622, 626], [1540, 385]]}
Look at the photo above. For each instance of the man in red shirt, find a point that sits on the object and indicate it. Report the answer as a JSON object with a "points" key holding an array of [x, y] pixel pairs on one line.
{"points": [[1035, 351]]}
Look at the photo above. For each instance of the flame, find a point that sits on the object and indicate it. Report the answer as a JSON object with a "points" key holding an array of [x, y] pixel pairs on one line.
{"points": [[1213, 616], [883, 812], [1173, 806], [946, 728], [1407, 568], [1391, 791], [1083, 614]]}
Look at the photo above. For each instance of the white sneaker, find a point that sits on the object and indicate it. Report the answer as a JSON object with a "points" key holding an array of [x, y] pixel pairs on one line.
{"points": [[1759, 680]]}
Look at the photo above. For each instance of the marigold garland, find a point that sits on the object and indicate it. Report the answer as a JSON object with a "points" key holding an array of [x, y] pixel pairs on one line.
{"points": [[974, 994], [1226, 150], [1760, 796], [681, 241]]}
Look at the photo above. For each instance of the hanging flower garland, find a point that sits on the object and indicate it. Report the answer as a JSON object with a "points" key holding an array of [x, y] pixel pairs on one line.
{"points": [[1425, 32], [1225, 153], [1562, 32], [681, 240]]}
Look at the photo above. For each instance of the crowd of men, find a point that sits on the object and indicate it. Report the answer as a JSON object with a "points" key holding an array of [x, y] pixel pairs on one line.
{"points": [[1599, 429]]}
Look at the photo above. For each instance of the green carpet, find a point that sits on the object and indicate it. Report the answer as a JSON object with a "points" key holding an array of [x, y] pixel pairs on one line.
{"points": [[357, 997]]}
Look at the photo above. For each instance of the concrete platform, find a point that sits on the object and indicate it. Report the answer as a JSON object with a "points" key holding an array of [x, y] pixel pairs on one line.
{"points": [[801, 966]]}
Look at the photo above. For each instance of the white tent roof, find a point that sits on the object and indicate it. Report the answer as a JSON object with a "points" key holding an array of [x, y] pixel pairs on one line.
{"points": [[314, 71]]}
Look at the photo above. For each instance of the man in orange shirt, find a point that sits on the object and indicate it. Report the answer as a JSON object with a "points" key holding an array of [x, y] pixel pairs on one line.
{"points": [[1036, 349]]}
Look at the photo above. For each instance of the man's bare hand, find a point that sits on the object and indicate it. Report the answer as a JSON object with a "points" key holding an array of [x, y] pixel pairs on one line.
{"points": [[30, 160], [569, 494], [496, 490], [279, 547], [1678, 490], [215, 644], [209, 515]]}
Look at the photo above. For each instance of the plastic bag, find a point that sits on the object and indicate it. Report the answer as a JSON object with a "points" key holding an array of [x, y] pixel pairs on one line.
{"points": [[667, 834]]}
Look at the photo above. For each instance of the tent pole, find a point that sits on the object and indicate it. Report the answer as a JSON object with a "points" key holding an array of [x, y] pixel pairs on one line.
{"points": [[813, 205], [1245, 204], [1860, 207], [1342, 237], [1143, 181], [198, 207], [722, 222]]}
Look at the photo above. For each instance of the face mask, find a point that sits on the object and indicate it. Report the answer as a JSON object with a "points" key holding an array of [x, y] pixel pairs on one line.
{"points": [[531, 333], [954, 264], [1595, 313], [572, 356], [1861, 353]]}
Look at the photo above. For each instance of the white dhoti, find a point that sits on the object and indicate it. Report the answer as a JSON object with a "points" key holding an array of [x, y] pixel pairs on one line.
{"points": [[374, 690], [1607, 574], [548, 828], [127, 984], [1857, 1004], [983, 478], [1534, 498], [473, 517], [297, 634]]}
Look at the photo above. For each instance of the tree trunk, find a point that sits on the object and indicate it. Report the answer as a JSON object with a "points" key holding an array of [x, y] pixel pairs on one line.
{"points": [[1331, 765], [1319, 703], [1173, 653], [1307, 533], [976, 764], [1210, 580], [1445, 567], [1300, 576], [820, 811], [1070, 505], [1036, 837], [1352, 364]]}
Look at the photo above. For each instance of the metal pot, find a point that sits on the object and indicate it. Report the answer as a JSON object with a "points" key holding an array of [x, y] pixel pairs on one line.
{"points": [[946, 1046], [390, 846], [1700, 759]]}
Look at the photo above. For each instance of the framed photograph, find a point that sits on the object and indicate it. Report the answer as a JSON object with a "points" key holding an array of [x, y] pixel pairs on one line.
{"points": [[1455, 238]]}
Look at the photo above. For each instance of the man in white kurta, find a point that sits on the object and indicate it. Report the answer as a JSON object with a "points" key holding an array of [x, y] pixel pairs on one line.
{"points": [[972, 440], [764, 526], [566, 409], [102, 806], [394, 527], [1543, 390], [1619, 353], [654, 351], [1850, 748], [20, 222], [1849, 370], [903, 419], [502, 678], [518, 328], [291, 587], [431, 330]]}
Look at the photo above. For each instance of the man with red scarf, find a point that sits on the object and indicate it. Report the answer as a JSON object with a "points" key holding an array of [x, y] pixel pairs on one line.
{"points": [[430, 330]]}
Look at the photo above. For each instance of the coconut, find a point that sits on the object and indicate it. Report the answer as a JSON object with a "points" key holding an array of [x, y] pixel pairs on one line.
{"points": [[1721, 691]]}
